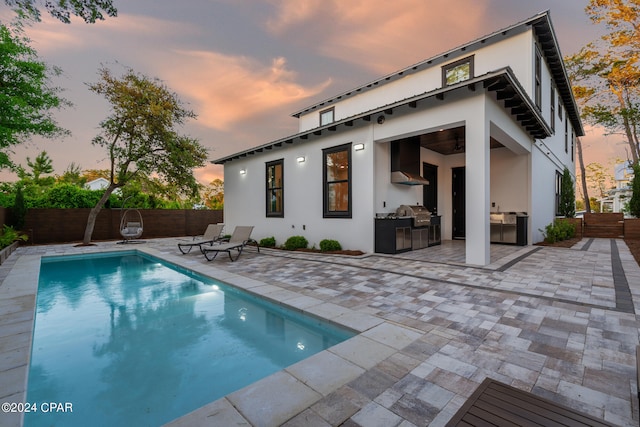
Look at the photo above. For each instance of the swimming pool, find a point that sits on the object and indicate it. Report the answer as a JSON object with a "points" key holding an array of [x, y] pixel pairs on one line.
{"points": [[129, 340]]}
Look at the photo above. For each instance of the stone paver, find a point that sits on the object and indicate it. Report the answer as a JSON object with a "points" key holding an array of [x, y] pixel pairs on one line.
{"points": [[546, 320]]}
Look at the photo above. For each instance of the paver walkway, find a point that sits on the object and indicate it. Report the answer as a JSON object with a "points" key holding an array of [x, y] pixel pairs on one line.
{"points": [[560, 323]]}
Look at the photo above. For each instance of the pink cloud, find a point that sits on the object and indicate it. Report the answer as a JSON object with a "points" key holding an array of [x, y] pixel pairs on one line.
{"points": [[52, 36], [228, 89], [379, 35]]}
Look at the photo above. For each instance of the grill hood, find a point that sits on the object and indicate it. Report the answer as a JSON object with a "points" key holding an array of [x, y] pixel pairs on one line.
{"points": [[406, 178]]}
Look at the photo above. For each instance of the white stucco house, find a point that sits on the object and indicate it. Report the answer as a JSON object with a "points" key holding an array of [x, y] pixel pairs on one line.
{"points": [[618, 196], [490, 125]]}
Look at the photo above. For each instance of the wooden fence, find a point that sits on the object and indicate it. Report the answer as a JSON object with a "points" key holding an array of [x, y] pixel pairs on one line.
{"points": [[68, 225], [609, 225], [632, 228]]}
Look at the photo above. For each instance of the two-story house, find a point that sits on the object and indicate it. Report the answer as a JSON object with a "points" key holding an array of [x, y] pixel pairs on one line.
{"points": [[490, 126]]}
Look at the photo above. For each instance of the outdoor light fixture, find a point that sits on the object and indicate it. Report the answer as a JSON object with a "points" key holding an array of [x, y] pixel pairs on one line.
{"points": [[301, 159], [381, 120], [243, 171], [358, 147]]}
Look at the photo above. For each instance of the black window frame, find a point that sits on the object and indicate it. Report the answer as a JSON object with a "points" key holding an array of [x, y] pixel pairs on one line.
{"points": [[566, 136], [331, 110], [268, 189], [538, 78], [326, 184], [553, 108], [451, 65], [558, 183]]}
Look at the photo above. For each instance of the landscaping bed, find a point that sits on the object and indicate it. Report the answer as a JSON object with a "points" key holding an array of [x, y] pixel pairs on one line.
{"points": [[634, 247]]}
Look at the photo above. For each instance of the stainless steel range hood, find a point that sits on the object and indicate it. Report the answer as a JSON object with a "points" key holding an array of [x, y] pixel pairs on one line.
{"points": [[406, 178]]}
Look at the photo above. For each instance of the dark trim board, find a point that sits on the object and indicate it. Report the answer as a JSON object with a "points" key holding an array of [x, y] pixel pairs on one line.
{"points": [[498, 404]]}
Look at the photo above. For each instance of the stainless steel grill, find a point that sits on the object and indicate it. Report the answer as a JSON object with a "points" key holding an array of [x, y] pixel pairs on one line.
{"points": [[421, 215]]}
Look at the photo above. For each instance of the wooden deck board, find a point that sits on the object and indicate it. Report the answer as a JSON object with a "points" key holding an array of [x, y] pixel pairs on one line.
{"points": [[497, 404]]}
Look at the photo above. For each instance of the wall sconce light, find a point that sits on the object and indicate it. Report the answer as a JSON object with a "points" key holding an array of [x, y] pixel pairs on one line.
{"points": [[243, 171], [358, 147], [301, 159]]}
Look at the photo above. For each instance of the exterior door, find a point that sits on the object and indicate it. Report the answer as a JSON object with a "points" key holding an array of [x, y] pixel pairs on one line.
{"points": [[430, 192], [458, 201]]}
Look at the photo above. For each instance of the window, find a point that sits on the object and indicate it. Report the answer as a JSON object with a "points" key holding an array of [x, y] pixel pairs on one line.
{"points": [[327, 116], [553, 108], [558, 189], [538, 79], [573, 146], [559, 108], [336, 176], [566, 136], [457, 71], [275, 189]]}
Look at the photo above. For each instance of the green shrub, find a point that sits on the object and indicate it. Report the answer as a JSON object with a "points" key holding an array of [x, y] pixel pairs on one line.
{"points": [[558, 231], [295, 242], [567, 195], [268, 242], [9, 235], [19, 208], [327, 245]]}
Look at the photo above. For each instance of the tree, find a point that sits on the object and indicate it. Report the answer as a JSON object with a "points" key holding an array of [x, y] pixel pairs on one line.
{"points": [[583, 177], [41, 165], [213, 194], [26, 97], [19, 208], [72, 175], [567, 195], [600, 179], [140, 135], [89, 10], [606, 73]]}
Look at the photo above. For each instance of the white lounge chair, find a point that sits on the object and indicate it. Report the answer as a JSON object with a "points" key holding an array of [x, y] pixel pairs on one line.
{"points": [[239, 239], [211, 235]]}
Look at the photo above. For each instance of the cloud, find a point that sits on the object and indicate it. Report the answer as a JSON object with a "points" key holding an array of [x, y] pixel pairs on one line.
{"points": [[378, 35], [117, 34], [228, 89]]}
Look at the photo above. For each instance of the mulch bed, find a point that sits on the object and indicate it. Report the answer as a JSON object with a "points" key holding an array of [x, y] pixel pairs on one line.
{"points": [[318, 251], [634, 247], [562, 244]]}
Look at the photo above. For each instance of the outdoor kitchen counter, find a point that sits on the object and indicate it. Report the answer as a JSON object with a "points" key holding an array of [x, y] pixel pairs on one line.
{"points": [[398, 234]]}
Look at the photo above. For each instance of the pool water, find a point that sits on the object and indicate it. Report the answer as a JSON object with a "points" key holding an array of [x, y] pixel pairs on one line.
{"points": [[129, 340]]}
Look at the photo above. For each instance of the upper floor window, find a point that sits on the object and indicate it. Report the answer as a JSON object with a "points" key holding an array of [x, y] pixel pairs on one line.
{"points": [[538, 79], [560, 108], [275, 188], [457, 71], [327, 116], [566, 136], [553, 108], [336, 177]]}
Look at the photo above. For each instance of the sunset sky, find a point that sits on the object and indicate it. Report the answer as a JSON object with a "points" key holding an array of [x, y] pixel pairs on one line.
{"points": [[245, 65]]}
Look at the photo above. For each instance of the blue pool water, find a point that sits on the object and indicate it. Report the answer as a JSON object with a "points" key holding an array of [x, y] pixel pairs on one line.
{"points": [[128, 340]]}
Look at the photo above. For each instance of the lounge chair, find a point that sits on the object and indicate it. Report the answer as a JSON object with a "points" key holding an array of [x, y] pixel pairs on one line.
{"points": [[239, 239], [211, 235]]}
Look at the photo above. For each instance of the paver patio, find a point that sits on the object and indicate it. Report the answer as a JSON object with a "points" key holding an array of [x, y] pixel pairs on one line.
{"points": [[556, 322]]}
